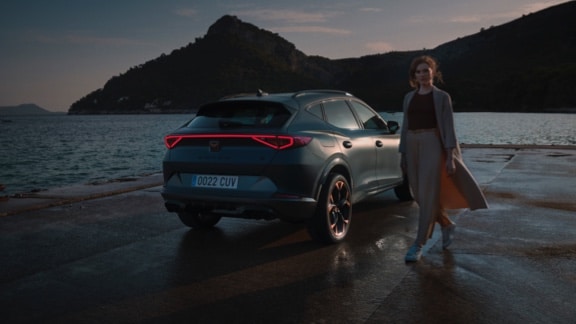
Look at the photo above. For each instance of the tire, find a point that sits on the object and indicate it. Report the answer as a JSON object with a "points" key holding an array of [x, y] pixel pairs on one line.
{"points": [[333, 215], [403, 191], [199, 220]]}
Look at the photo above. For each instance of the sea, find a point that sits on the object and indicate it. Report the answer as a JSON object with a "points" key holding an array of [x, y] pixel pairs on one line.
{"points": [[48, 151]]}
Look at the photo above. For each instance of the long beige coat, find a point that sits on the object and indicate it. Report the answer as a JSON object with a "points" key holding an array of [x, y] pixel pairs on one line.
{"points": [[461, 189]]}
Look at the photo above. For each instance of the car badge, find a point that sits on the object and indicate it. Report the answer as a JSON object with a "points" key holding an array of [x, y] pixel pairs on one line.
{"points": [[214, 146]]}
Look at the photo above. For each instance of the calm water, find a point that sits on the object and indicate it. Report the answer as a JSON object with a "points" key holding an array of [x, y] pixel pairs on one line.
{"points": [[40, 152]]}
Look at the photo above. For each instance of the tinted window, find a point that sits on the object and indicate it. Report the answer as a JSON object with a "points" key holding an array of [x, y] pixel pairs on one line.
{"points": [[367, 117], [316, 110], [234, 114], [338, 113]]}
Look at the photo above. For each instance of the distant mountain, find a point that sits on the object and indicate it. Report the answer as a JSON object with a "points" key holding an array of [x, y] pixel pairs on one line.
{"points": [[525, 65], [233, 57], [24, 109]]}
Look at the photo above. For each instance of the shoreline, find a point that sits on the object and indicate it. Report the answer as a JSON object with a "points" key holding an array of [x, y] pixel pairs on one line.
{"points": [[58, 196], [20, 194], [519, 146]]}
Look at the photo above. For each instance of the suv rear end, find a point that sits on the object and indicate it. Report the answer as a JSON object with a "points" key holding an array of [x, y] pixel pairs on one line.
{"points": [[298, 156], [236, 158]]}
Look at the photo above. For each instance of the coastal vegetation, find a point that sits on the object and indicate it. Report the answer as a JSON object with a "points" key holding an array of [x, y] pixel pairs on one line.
{"points": [[526, 65]]}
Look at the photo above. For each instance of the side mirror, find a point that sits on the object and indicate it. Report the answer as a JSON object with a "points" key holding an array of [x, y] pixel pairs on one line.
{"points": [[393, 126]]}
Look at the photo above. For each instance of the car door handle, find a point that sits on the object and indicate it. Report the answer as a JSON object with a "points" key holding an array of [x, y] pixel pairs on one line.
{"points": [[347, 144], [379, 144]]}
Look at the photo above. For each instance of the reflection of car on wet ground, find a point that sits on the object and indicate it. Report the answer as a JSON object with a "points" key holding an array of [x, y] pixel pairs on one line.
{"points": [[303, 156]]}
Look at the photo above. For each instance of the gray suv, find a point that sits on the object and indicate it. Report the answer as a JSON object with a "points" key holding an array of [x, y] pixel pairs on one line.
{"points": [[304, 156]]}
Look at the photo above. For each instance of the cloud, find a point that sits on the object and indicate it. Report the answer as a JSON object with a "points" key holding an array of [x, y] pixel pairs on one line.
{"points": [[460, 19], [469, 19], [370, 9], [287, 16], [186, 12], [486, 17], [505, 15], [295, 21], [379, 47], [311, 29], [537, 6]]}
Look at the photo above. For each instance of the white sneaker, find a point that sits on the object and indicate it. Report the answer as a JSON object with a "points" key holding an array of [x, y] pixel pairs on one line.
{"points": [[414, 253]]}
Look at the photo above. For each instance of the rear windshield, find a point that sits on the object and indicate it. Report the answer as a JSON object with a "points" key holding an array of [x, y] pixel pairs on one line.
{"points": [[240, 114]]}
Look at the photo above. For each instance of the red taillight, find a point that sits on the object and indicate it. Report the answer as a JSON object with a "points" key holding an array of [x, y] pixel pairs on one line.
{"points": [[171, 140], [278, 142], [281, 142]]}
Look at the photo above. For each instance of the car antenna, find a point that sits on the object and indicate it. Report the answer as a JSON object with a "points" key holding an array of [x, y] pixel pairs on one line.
{"points": [[261, 93]]}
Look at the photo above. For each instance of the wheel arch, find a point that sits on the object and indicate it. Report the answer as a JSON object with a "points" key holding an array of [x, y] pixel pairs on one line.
{"points": [[337, 165]]}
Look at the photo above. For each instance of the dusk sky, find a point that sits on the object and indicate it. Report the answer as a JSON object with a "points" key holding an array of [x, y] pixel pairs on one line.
{"points": [[54, 52]]}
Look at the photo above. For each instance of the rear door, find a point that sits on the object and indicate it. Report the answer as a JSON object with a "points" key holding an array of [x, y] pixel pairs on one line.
{"points": [[358, 147]]}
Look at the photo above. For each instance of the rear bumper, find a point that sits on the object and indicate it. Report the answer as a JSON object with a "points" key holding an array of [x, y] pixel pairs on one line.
{"points": [[289, 209]]}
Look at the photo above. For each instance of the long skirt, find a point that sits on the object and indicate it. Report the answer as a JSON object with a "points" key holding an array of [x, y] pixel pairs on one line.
{"points": [[425, 159]]}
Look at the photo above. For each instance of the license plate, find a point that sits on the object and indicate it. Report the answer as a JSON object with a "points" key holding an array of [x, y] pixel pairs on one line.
{"points": [[214, 181]]}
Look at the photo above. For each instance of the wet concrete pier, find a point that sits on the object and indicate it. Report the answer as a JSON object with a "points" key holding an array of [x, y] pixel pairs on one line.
{"points": [[111, 253]]}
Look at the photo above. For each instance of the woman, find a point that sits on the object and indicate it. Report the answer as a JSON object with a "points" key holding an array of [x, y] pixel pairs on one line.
{"points": [[431, 157]]}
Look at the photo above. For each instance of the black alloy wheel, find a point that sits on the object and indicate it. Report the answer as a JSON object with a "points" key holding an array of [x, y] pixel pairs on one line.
{"points": [[333, 216]]}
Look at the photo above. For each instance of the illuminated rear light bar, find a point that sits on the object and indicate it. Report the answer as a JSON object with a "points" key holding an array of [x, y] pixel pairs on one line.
{"points": [[170, 141], [277, 142]]}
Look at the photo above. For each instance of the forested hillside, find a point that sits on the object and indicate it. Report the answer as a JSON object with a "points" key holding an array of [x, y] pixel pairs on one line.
{"points": [[526, 65]]}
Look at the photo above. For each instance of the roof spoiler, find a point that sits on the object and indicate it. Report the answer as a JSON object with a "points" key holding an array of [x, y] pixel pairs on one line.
{"points": [[259, 93]]}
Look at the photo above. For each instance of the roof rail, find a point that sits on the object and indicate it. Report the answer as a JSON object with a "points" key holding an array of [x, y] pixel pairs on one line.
{"points": [[304, 92]]}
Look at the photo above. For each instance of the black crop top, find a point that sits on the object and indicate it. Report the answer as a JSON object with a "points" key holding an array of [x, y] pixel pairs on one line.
{"points": [[421, 114]]}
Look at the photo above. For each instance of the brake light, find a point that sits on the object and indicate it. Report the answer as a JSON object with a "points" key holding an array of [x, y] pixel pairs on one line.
{"points": [[278, 142], [170, 141]]}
